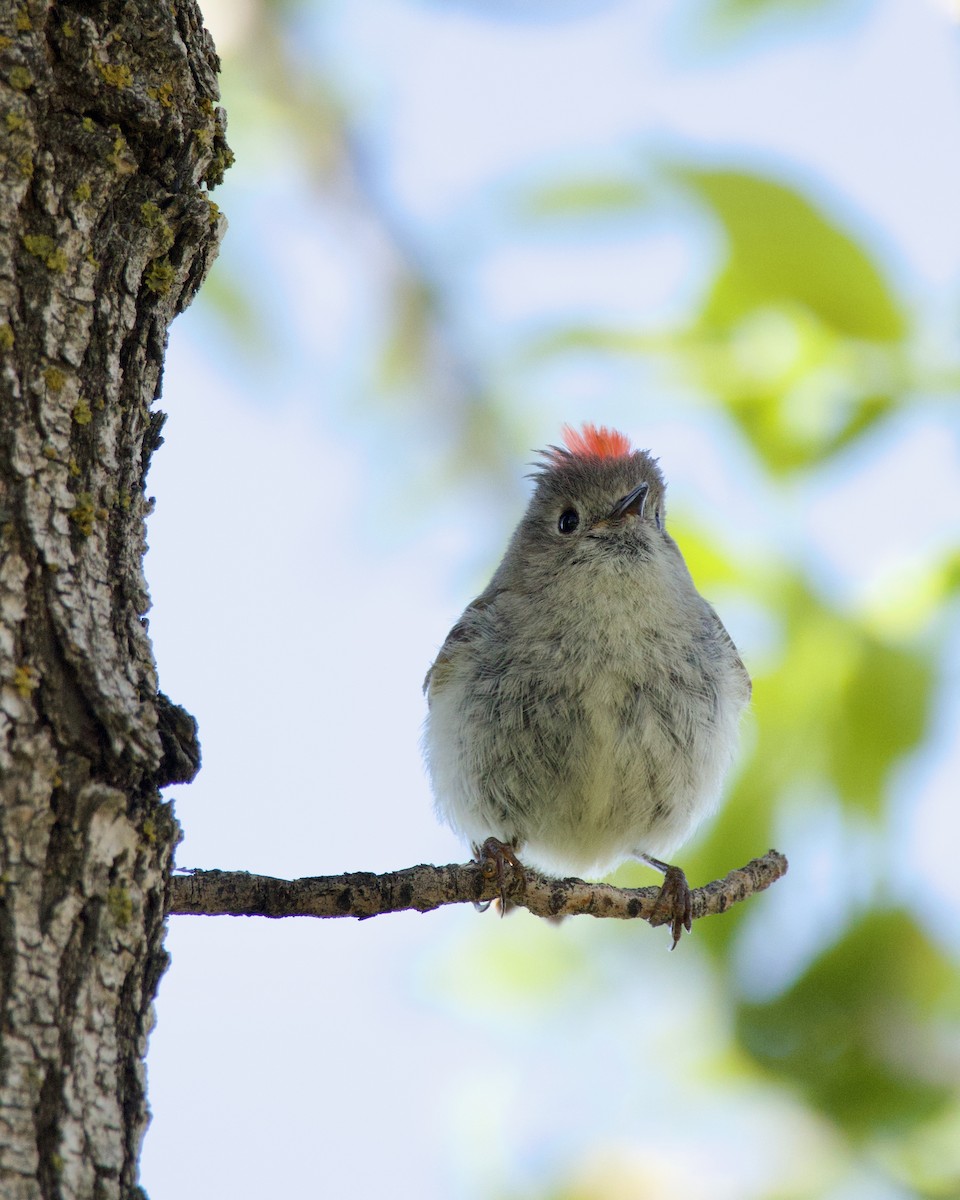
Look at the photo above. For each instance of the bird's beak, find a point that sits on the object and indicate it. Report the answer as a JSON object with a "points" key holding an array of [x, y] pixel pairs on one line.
{"points": [[631, 504]]}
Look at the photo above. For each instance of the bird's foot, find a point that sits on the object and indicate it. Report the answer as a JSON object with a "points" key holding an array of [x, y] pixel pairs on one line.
{"points": [[493, 857], [673, 906]]}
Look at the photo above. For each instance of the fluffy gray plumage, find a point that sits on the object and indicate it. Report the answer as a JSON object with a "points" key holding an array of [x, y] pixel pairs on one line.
{"points": [[585, 707]]}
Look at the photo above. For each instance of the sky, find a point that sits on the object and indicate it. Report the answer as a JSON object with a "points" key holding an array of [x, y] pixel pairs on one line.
{"points": [[298, 600]]}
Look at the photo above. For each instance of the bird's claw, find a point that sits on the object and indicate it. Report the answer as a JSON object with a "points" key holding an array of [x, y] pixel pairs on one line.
{"points": [[493, 856], [674, 906]]}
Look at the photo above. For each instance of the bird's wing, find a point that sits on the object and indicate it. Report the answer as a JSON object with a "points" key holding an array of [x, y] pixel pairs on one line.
{"points": [[459, 636], [716, 628]]}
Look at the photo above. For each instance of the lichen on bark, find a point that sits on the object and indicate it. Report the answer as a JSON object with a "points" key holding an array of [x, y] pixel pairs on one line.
{"points": [[110, 138]]}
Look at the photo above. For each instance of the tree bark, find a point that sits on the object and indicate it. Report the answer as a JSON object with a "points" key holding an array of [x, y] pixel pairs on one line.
{"points": [[109, 140]]}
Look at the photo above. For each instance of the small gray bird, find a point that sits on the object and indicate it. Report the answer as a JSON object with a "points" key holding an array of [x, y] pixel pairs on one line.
{"points": [[585, 708]]}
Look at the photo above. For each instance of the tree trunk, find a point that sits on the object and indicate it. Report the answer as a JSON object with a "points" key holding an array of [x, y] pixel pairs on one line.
{"points": [[109, 139]]}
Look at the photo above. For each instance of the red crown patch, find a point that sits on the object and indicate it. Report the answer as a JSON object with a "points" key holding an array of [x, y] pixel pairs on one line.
{"points": [[591, 442]]}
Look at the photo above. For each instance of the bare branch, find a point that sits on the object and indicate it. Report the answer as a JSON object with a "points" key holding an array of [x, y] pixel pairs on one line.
{"points": [[362, 894]]}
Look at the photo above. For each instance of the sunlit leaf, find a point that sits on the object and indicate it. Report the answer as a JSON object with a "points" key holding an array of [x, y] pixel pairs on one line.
{"points": [[927, 1161], [766, 423], [799, 390], [725, 18], [742, 9], [785, 249], [858, 1033], [884, 710], [842, 706], [909, 601], [837, 711], [706, 560], [594, 198]]}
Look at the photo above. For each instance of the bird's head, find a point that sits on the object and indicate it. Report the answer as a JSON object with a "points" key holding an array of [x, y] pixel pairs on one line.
{"points": [[596, 496]]}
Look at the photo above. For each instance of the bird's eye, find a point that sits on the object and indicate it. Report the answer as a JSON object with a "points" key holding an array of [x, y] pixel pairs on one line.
{"points": [[569, 520]]}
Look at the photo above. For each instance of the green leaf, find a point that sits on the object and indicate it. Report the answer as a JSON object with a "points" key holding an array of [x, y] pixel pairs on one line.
{"points": [[858, 1033], [842, 706], [586, 197], [806, 425], [799, 391], [721, 19], [744, 9], [884, 709], [589, 339], [783, 249]]}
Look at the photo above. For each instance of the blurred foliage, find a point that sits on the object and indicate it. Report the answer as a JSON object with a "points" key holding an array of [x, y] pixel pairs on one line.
{"points": [[803, 341], [798, 333], [863, 1032], [586, 198], [726, 21], [840, 705], [782, 250]]}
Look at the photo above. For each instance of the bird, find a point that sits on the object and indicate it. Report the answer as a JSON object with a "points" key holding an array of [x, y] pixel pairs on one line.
{"points": [[585, 708]]}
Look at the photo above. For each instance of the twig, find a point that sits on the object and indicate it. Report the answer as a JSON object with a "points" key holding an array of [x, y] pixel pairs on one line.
{"points": [[362, 894]]}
